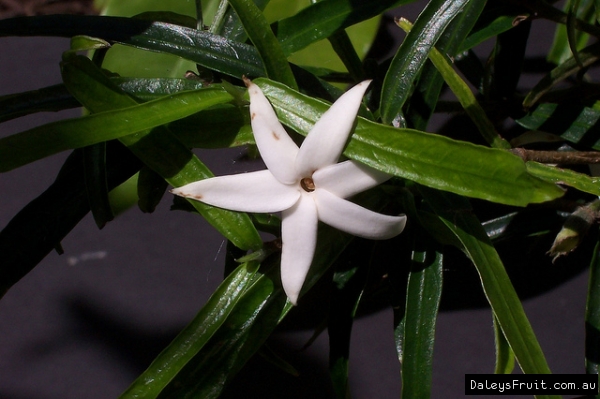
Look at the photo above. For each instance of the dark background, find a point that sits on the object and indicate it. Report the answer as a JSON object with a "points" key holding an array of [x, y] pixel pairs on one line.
{"points": [[86, 323]]}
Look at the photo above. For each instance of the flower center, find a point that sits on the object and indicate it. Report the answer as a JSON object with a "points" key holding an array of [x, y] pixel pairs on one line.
{"points": [[308, 184]]}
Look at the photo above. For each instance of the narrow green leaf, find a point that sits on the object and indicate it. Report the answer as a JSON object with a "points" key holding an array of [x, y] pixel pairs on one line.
{"points": [[432, 160], [159, 149], [572, 121], [430, 82], [246, 328], [464, 94], [587, 56], [321, 19], [498, 25], [412, 54], [505, 358], [211, 51], [194, 336], [31, 145], [566, 177], [422, 304], [455, 214], [148, 89], [259, 31], [592, 316]]}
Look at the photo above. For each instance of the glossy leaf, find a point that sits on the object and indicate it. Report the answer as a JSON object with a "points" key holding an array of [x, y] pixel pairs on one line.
{"points": [[195, 335], [211, 51], [31, 145], [455, 214], [430, 82], [323, 18], [464, 95], [158, 149], [412, 54], [573, 121], [259, 31], [422, 303], [429, 159], [565, 177]]}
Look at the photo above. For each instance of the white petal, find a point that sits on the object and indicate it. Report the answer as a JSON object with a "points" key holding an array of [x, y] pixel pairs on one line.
{"points": [[356, 220], [299, 238], [347, 178], [276, 147], [247, 192], [326, 140]]}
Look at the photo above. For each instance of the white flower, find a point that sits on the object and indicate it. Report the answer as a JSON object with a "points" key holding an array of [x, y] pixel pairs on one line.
{"points": [[305, 184]]}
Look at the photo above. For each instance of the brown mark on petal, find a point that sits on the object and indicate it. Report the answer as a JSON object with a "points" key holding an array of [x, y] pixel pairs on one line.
{"points": [[253, 115], [197, 197], [307, 184], [275, 135]]}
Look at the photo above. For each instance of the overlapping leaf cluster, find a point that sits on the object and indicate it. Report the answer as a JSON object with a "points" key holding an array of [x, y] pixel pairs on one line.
{"points": [[446, 182]]}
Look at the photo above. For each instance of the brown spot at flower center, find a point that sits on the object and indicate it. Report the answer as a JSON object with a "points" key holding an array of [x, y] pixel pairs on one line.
{"points": [[275, 135], [307, 184]]}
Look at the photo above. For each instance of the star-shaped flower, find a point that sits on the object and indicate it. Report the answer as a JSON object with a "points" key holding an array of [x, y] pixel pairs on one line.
{"points": [[306, 184]]}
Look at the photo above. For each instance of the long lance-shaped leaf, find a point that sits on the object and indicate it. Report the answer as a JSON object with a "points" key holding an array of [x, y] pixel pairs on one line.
{"points": [[158, 149], [429, 159], [42, 224], [454, 213], [213, 128], [430, 81], [412, 54], [572, 120], [499, 24], [422, 303], [464, 94], [210, 51], [321, 19], [195, 335], [587, 57], [259, 31], [31, 145], [566, 177]]}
